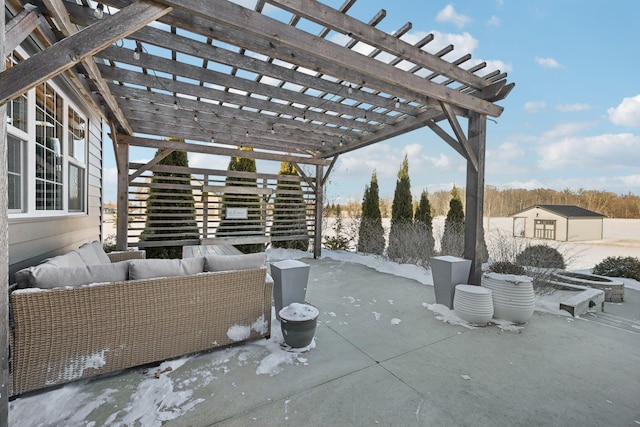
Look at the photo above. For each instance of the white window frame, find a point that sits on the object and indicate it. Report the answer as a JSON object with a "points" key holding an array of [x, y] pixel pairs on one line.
{"points": [[29, 209]]}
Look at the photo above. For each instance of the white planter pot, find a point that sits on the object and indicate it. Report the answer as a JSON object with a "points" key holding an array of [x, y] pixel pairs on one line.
{"points": [[473, 304], [513, 297]]}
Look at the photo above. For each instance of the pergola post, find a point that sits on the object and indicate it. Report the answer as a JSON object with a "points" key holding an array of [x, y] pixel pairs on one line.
{"points": [[122, 161], [4, 249], [317, 237], [474, 230]]}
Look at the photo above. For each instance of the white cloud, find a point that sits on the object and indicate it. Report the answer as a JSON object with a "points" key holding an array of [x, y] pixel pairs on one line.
{"points": [[448, 14], [534, 106], [569, 108], [602, 152], [627, 113], [547, 62], [494, 21], [565, 129]]}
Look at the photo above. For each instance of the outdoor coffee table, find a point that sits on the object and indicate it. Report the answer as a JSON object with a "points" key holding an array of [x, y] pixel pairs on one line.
{"points": [[192, 251]]}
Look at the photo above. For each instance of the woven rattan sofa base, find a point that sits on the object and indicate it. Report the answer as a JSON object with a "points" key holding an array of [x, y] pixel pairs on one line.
{"points": [[65, 334]]}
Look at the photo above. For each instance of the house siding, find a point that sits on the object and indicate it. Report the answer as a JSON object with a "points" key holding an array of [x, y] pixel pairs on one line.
{"points": [[584, 229]]}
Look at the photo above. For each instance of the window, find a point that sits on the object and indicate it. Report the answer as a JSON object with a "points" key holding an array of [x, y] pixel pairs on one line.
{"points": [[49, 155], [16, 173], [47, 152], [76, 141], [77, 144]]}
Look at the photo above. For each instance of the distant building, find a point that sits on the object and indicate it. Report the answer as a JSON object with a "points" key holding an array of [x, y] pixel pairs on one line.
{"points": [[567, 223]]}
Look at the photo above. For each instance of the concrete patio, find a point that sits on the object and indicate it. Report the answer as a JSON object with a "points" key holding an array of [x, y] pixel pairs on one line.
{"points": [[383, 358]]}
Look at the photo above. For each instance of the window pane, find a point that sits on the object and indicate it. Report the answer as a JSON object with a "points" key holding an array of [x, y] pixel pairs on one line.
{"points": [[15, 173], [77, 145], [49, 152], [76, 189]]}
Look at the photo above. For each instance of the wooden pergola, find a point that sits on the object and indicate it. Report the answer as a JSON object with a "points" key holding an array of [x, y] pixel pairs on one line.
{"points": [[296, 80]]}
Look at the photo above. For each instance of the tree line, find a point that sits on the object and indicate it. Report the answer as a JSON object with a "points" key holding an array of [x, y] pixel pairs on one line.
{"points": [[504, 202]]}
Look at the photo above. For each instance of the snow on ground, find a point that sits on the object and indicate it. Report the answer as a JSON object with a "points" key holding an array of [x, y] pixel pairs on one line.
{"points": [[167, 393]]}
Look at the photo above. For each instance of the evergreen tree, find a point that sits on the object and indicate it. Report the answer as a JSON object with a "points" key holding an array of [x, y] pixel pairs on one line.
{"points": [[401, 212], [424, 227], [253, 225], [453, 236], [289, 211], [370, 232], [171, 213]]}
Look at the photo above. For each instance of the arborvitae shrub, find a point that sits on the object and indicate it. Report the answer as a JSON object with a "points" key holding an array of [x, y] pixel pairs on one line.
{"points": [[453, 236], [618, 266], [370, 231], [424, 227], [541, 256], [289, 211], [253, 225], [170, 211], [401, 213]]}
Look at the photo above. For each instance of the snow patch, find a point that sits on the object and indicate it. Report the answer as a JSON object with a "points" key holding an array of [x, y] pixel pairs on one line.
{"points": [[76, 367], [239, 332]]}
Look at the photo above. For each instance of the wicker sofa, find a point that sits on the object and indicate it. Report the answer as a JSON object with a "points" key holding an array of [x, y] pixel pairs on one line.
{"points": [[66, 333]]}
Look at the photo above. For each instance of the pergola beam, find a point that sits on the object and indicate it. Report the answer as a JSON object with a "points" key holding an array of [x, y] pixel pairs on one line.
{"points": [[60, 14], [210, 149], [324, 15], [19, 28], [73, 49]]}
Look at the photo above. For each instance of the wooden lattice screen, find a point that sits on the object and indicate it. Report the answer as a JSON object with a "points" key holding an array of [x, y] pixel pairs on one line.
{"points": [[213, 191]]}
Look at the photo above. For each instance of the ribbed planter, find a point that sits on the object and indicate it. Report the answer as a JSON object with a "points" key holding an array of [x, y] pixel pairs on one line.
{"points": [[298, 323], [473, 304], [513, 297]]}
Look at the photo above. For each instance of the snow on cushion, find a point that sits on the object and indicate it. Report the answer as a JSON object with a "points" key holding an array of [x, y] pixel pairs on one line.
{"points": [[48, 277], [150, 268], [235, 262]]}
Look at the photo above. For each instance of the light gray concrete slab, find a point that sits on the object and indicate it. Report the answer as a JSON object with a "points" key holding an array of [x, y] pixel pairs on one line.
{"points": [[381, 314], [630, 308], [240, 389], [557, 371], [368, 397]]}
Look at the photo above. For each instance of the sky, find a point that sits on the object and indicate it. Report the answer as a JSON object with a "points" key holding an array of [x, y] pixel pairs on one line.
{"points": [[571, 122]]}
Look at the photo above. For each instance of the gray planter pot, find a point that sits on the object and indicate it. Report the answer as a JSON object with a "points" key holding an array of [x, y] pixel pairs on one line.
{"points": [[448, 271], [290, 279], [299, 332]]}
